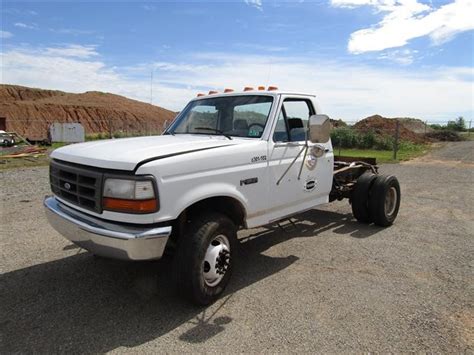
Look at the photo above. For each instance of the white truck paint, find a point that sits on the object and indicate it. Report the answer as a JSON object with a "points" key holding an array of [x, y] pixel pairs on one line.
{"points": [[195, 171]]}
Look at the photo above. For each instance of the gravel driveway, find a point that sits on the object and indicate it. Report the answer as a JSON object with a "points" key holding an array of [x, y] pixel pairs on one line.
{"points": [[325, 284]]}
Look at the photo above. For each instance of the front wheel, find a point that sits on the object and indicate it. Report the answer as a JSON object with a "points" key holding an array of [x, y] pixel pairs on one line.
{"points": [[205, 257]]}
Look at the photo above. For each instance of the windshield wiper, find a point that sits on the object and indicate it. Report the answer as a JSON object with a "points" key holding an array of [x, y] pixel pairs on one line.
{"points": [[214, 130]]}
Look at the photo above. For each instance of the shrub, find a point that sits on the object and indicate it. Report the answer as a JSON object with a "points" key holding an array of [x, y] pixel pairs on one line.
{"points": [[344, 137], [446, 135], [384, 143], [366, 140]]}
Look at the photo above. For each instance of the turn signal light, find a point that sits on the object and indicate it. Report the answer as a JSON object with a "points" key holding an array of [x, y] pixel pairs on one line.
{"points": [[130, 206], [248, 88], [272, 88]]}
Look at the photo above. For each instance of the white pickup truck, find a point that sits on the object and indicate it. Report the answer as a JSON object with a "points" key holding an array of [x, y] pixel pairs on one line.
{"points": [[228, 161]]}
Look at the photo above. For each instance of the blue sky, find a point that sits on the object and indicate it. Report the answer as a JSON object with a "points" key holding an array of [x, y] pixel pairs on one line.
{"points": [[393, 57]]}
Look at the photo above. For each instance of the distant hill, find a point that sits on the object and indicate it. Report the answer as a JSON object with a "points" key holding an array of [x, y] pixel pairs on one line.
{"points": [[29, 111]]}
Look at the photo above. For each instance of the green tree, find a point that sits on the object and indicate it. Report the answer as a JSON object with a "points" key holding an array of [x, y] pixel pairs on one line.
{"points": [[458, 125], [461, 123]]}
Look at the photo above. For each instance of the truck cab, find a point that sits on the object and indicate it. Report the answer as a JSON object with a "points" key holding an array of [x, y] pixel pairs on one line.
{"points": [[228, 161]]}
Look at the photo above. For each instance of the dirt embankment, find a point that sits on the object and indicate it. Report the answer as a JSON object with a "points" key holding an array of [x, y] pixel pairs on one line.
{"points": [[387, 126], [30, 111]]}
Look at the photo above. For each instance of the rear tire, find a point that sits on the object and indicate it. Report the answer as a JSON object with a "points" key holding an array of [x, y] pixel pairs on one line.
{"points": [[204, 258], [360, 197], [384, 200]]}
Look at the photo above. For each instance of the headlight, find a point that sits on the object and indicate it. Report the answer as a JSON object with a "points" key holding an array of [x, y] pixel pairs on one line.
{"points": [[132, 196]]}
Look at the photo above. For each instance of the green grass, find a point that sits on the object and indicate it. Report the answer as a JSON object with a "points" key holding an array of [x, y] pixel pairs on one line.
{"points": [[56, 145], [385, 156], [469, 136]]}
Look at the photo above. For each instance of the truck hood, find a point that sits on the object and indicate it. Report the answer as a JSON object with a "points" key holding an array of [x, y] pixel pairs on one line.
{"points": [[129, 153]]}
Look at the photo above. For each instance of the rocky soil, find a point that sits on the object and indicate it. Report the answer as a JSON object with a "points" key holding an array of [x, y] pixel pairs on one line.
{"points": [[29, 111]]}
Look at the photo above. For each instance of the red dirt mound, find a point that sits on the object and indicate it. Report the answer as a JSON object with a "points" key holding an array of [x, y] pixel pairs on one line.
{"points": [[387, 126], [30, 111]]}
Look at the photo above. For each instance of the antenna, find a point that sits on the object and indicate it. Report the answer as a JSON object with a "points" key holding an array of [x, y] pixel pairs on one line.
{"points": [[269, 73], [151, 86]]}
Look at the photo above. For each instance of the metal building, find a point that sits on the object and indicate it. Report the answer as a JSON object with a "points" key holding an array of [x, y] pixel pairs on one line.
{"points": [[66, 132]]}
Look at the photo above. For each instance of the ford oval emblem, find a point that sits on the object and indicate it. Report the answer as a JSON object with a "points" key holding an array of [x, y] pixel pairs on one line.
{"points": [[67, 186]]}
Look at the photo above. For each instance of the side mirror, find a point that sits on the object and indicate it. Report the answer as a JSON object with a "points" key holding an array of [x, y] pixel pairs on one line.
{"points": [[319, 129]]}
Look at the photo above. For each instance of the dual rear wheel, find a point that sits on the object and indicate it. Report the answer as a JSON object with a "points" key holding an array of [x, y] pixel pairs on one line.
{"points": [[376, 198]]}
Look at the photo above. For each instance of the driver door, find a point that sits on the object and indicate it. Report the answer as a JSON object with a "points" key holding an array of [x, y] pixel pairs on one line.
{"points": [[308, 181]]}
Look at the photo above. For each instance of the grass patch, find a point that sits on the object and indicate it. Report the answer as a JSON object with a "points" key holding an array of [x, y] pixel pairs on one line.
{"points": [[26, 162], [385, 156], [56, 145], [468, 136]]}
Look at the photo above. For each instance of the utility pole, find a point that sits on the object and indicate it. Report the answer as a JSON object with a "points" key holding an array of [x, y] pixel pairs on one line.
{"points": [[110, 128]]}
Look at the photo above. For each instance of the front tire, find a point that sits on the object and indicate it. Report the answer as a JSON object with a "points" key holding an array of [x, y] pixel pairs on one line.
{"points": [[204, 257], [384, 200]]}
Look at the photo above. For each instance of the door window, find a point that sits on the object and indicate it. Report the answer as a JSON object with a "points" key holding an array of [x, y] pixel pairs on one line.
{"points": [[293, 121], [281, 131]]}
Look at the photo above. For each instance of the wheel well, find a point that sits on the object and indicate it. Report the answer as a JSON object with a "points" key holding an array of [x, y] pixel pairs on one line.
{"points": [[229, 206]]}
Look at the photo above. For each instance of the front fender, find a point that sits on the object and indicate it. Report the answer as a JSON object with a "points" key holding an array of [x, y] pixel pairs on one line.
{"points": [[205, 191]]}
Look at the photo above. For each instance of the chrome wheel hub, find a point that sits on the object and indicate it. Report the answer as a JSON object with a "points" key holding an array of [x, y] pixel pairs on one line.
{"points": [[390, 201], [216, 260]]}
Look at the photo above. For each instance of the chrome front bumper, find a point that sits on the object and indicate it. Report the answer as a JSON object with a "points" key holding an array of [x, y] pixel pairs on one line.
{"points": [[104, 238]]}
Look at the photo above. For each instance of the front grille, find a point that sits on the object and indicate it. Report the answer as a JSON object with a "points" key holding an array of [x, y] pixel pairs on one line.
{"points": [[76, 184]]}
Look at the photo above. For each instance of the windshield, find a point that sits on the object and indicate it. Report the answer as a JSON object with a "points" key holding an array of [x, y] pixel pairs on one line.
{"points": [[234, 116]]}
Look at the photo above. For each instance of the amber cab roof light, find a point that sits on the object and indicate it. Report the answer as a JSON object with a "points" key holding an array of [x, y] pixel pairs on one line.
{"points": [[200, 94], [228, 90], [272, 88], [212, 92], [248, 88], [261, 88]]}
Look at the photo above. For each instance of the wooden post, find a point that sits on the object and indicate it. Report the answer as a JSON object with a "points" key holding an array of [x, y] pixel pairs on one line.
{"points": [[110, 128], [395, 143]]}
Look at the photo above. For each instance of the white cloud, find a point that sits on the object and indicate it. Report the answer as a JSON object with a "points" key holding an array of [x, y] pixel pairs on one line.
{"points": [[71, 31], [5, 34], [348, 91], [148, 7], [24, 25], [260, 47], [255, 3], [72, 50], [400, 56], [409, 19]]}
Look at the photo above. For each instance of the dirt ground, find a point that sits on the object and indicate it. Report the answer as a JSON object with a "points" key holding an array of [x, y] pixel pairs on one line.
{"points": [[327, 284]]}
